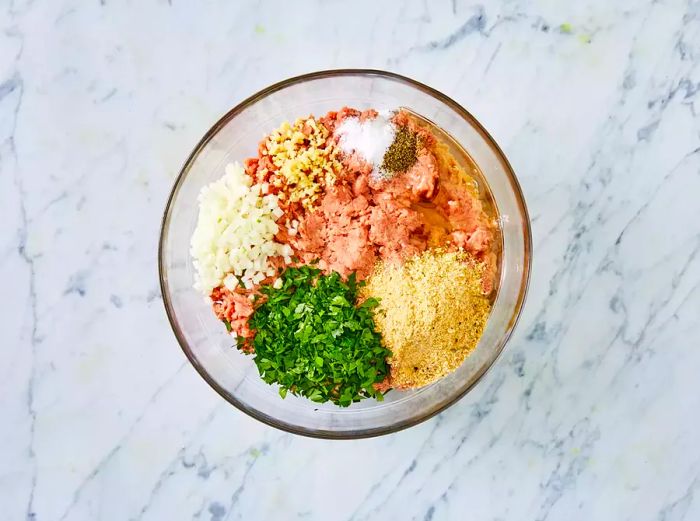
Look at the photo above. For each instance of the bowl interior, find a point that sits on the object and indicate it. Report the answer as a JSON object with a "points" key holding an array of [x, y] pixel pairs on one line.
{"points": [[234, 138]]}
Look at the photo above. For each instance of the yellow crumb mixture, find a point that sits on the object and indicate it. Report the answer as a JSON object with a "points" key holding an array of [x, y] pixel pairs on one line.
{"points": [[431, 314], [305, 157]]}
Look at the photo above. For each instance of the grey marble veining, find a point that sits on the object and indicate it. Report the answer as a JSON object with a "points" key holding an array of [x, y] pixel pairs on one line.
{"points": [[592, 412]]}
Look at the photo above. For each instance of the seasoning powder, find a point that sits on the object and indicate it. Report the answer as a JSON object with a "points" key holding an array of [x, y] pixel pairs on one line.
{"points": [[431, 315]]}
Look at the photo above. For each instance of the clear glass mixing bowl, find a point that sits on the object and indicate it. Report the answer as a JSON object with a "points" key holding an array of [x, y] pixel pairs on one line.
{"points": [[235, 137]]}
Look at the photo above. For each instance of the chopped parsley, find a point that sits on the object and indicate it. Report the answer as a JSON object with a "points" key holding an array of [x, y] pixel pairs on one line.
{"points": [[314, 341]]}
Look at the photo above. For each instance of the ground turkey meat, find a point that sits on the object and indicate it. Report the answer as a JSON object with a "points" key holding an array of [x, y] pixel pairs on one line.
{"points": [[235, 307], [397, 230], [422, 177], [350, 231]]}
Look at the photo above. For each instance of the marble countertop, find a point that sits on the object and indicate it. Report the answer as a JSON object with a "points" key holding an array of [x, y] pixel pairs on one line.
{"points": [[591, 414]]}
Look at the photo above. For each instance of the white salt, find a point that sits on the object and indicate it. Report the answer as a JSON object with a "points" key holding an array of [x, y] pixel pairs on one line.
{"points": [[370, 139]]}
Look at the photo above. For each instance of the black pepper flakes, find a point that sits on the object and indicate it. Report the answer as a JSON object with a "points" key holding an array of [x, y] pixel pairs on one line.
{"points": [[401, 154]]}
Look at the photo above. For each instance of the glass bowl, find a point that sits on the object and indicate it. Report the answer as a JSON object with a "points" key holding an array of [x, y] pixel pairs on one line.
{"points": [[235, 137]]}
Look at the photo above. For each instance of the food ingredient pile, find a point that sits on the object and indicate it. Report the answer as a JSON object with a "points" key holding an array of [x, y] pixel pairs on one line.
{"points": [[354, 254], [432, 313]]}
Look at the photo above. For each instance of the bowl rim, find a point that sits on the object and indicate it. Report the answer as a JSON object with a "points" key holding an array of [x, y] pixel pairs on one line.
{"points": [[374, 431]]}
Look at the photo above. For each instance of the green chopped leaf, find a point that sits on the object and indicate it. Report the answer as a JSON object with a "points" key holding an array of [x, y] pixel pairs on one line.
{"points": [[315, 341], [339, 300]]}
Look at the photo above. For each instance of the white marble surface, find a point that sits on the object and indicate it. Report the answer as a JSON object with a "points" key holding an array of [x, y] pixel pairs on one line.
{"points": [[591, 414]]}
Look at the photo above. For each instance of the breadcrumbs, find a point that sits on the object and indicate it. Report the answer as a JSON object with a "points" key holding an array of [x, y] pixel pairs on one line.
{"points": [[431, 315], [305, 157]]}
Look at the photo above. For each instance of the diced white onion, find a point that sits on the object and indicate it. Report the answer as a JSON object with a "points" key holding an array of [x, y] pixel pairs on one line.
{"points": [[235, 232]]}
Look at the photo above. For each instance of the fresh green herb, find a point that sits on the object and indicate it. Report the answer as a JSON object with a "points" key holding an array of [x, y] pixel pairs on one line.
{"points": [[228, 325], [314, 341]]}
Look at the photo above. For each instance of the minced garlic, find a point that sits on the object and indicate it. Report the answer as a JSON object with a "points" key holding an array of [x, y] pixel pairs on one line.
{"points": [[305, 157], [431, 315]]}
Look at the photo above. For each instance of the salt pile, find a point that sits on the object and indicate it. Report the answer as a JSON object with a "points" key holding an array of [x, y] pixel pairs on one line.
{"points": [[370, 139]]}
